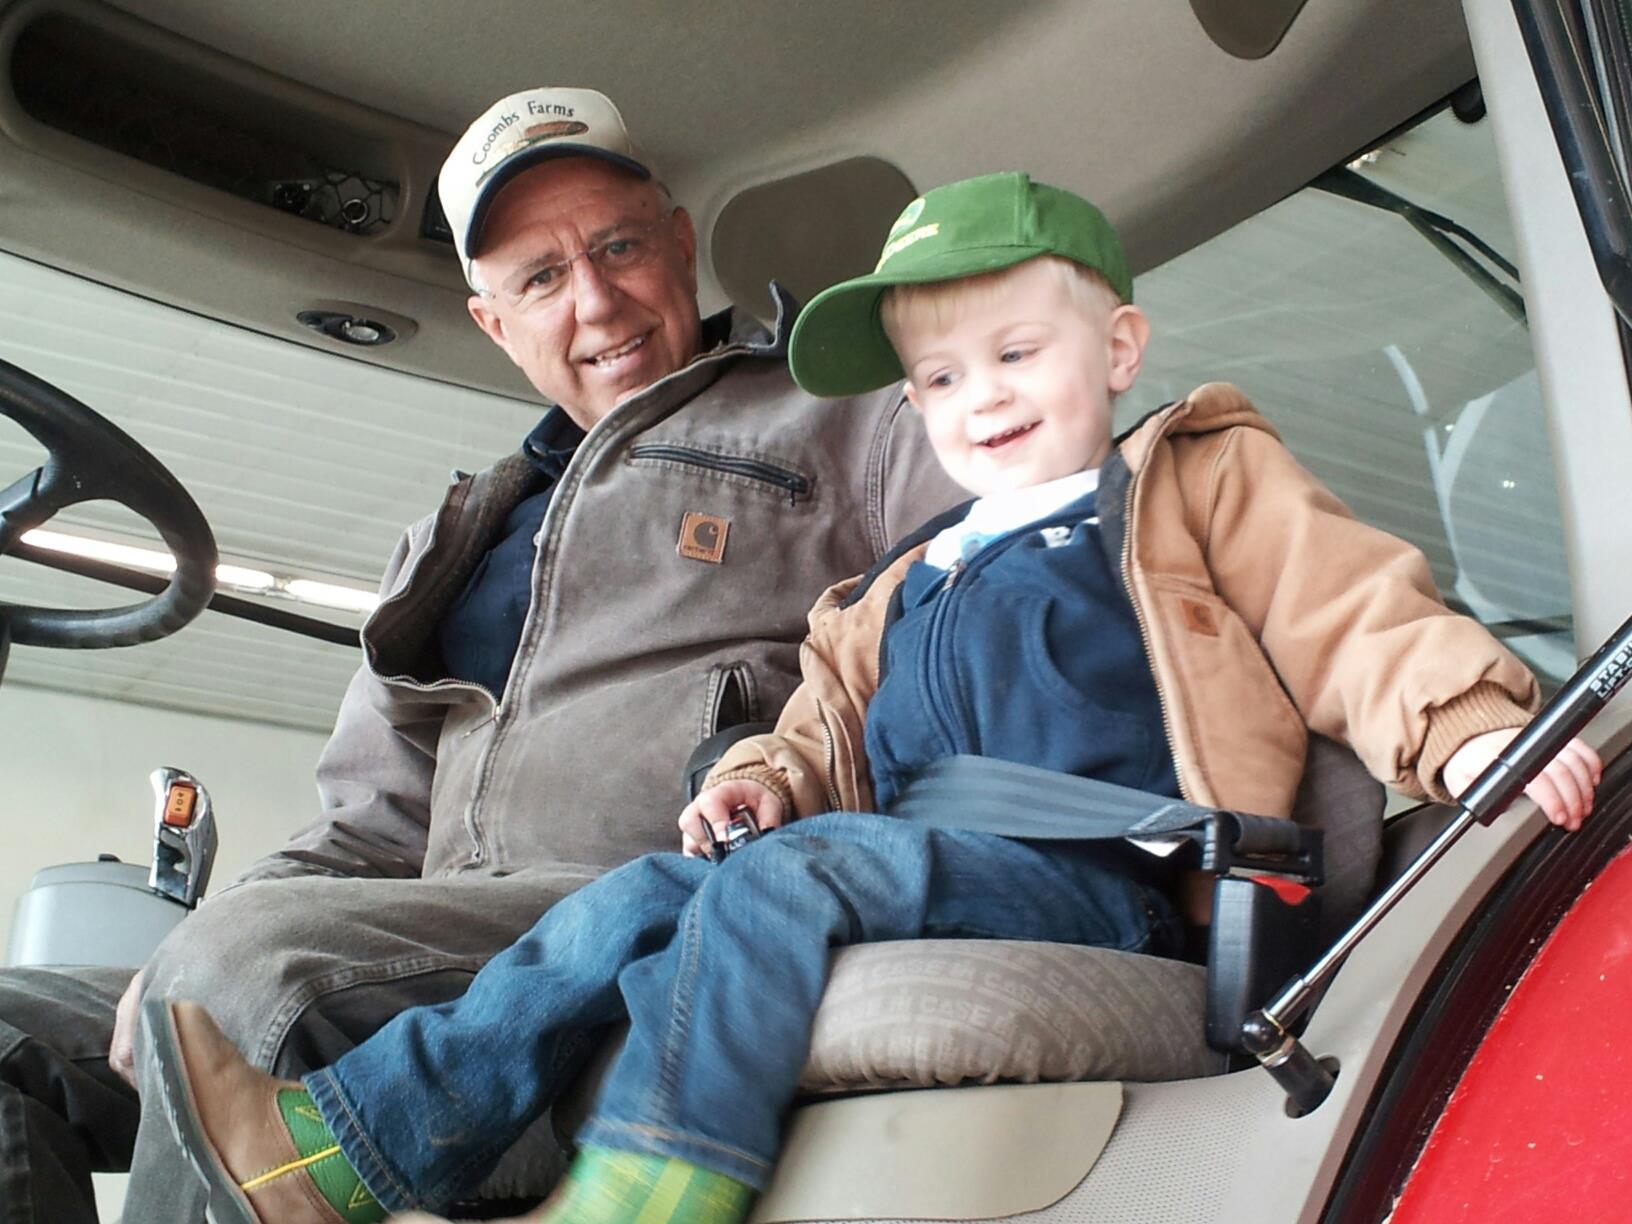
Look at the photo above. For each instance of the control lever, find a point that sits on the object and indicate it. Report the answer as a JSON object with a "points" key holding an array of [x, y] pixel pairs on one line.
{"points": [[184, 836]]}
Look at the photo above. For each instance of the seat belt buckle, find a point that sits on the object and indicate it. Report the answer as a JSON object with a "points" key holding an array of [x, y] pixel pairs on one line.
{"points": [[1240, 841], [1265, 928], [740, 829]]}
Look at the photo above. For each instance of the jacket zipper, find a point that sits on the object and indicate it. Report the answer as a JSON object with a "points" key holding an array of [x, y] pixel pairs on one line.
{"points": [[794, 484], [437, 686], [495, 717], [478, 797], [940, 678], [1144, 630], [446, 686], [830, 752]]}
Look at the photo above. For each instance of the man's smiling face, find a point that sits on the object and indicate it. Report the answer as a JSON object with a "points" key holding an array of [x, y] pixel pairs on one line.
{"points": [[592, 335], [1015, 373]]}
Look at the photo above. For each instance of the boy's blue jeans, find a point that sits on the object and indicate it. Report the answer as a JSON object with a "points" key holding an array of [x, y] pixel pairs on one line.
{"points": [[719, 970]]}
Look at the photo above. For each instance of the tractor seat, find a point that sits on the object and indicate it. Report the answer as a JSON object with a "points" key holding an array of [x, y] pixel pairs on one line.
{"points": [[939, 1013]]}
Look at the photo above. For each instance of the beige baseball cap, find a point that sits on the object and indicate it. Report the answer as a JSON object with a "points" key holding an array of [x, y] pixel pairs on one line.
{"points": [[518, 132]]}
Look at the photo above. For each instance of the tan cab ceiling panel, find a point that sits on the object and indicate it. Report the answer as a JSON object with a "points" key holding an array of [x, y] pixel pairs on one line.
{"points": [[1132, 104], [810, 229]]}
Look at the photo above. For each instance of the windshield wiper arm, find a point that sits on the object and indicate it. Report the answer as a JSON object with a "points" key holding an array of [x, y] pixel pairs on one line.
{"points": [[1439, 230]]}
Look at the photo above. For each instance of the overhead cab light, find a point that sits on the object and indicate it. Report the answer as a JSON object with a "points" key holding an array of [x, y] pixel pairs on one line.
{"points": [[355, 324], [351, 329]]}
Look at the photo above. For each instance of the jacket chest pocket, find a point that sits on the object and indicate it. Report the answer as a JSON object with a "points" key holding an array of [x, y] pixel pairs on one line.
{"points": [[774, 477], [731, 699]]}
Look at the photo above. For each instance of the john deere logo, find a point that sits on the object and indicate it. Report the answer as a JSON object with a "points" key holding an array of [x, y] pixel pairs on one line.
{"points": [[909, 214], [702, 537], [895, 246]]}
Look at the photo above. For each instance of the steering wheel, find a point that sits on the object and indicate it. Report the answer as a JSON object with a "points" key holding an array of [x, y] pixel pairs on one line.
{"points": [[92, 459]]}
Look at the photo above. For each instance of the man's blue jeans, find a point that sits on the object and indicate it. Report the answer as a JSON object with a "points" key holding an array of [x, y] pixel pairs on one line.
{"points": [[719, 970]]}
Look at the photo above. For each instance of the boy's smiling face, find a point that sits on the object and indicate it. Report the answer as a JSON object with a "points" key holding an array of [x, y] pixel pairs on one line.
{"points": [[1015, 373]]}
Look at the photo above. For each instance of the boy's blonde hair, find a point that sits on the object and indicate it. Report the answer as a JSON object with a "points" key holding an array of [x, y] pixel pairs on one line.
{"points": [[939, 304]]}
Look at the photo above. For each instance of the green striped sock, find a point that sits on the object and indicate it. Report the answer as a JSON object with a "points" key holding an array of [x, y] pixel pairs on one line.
{"points": [[610, 1187], [336, 1180]]}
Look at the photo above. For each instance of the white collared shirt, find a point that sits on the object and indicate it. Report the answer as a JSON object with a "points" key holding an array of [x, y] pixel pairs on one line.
{"points": [[1000, 513]]}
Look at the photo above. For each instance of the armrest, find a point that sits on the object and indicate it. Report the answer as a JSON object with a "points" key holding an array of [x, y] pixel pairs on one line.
{"points": [[704, 757]]}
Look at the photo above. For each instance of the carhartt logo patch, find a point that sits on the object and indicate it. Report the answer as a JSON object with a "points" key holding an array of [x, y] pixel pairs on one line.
{"points": [[702, 537], [1198, 617]]}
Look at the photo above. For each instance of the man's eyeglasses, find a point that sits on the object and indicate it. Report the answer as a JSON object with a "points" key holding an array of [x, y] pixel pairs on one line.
{"points": [[632, 245]]}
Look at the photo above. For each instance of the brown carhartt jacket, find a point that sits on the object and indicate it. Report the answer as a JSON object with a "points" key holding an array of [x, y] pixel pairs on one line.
{"points": [[1267, 609], [672, 575]]}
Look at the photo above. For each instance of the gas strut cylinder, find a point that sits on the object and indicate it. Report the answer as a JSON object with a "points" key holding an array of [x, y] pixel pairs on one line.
{"points": [[1267, 1033]]}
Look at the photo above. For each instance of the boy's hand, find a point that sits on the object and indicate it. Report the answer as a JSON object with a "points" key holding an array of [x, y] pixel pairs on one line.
{"points": [[1563, 790], [716, 804]]}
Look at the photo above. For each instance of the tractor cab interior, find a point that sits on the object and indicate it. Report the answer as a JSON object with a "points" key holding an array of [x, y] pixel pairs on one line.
{"points": [[219, 231]]}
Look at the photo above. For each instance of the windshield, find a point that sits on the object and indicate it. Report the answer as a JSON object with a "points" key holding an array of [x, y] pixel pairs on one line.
{"points": [[1390, 372], [1403, 382], [308, 466]]}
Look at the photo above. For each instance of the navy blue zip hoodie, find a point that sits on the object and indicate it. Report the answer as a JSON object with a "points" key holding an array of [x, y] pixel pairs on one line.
{"points": [[1029, 651]]}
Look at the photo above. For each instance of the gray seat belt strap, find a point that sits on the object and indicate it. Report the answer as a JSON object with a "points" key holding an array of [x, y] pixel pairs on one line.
{"points": [[983, 795]]}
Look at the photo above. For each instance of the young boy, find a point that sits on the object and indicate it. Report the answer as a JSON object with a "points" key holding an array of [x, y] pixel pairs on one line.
{"points": [[1173, 613]]}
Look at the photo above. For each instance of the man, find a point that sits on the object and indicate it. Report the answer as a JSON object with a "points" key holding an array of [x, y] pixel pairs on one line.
{"points": [[638, 574]]}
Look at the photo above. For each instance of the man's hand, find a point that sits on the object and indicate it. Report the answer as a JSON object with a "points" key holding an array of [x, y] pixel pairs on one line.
{"points": [[716, 804], [1563, 790], [122, 1051]]}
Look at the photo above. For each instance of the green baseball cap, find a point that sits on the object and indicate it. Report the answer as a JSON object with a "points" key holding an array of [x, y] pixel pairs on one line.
{"points": [[838, 346]]}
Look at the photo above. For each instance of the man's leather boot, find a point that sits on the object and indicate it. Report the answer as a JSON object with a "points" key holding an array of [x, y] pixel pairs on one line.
{"points": [[225, 1114]]}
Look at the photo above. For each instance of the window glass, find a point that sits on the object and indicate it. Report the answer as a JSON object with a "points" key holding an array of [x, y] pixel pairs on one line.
{"points": [[307, 465], [1393, 365]]}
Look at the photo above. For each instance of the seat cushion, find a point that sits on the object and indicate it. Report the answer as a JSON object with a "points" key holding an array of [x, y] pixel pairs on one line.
{"points": [[924, 1013], [931, 1013]]}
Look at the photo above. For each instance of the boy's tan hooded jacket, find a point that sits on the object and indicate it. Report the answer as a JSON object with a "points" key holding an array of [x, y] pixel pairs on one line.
{"points": [[1267, 610]]}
